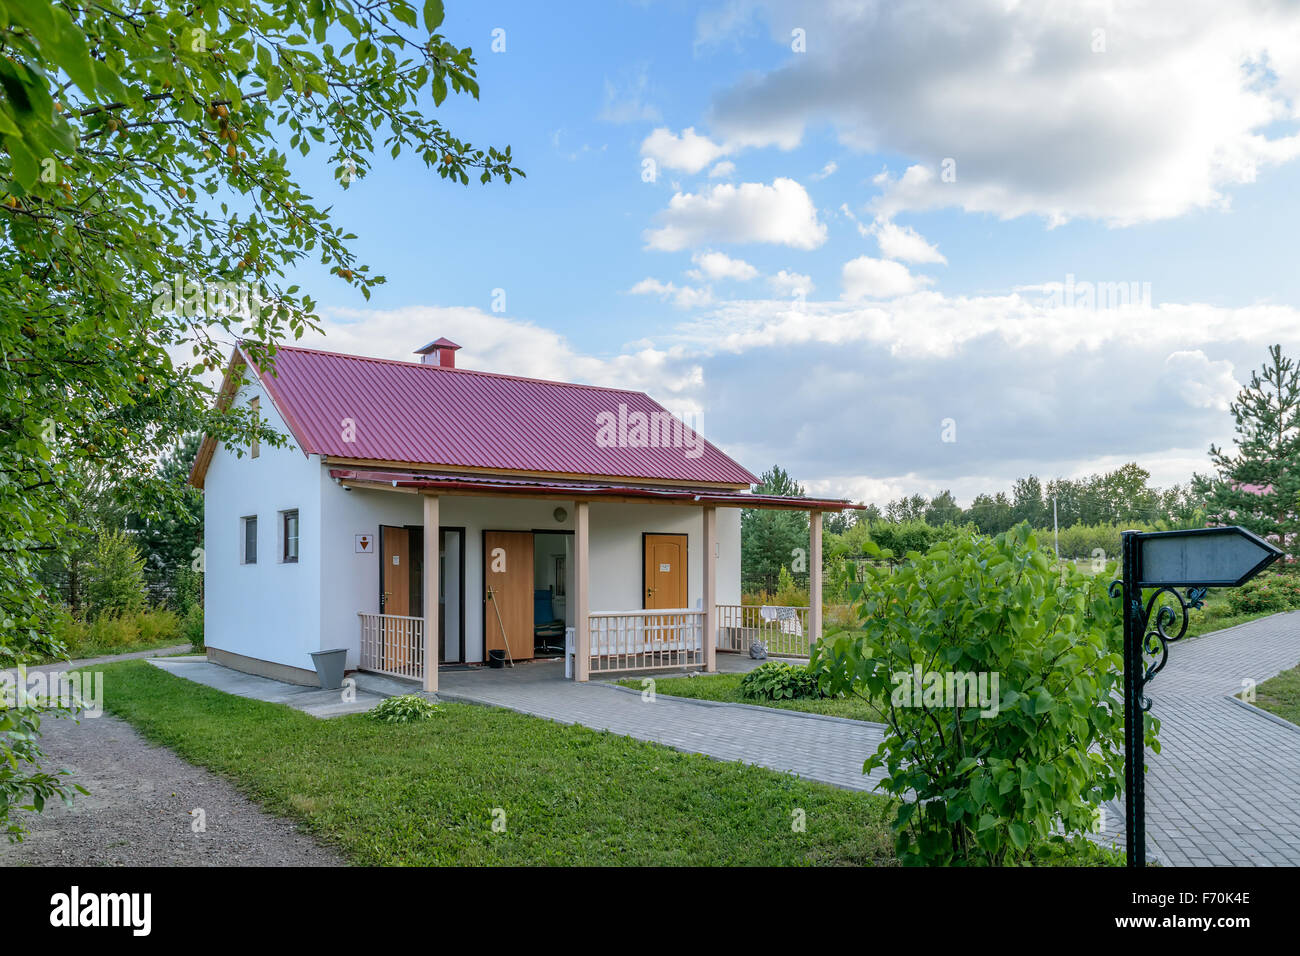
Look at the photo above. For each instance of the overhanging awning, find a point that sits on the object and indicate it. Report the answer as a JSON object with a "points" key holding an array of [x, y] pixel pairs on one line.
{"points": [[493, 485]]}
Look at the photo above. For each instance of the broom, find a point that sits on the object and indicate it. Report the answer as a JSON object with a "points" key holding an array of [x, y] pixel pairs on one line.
{"points": [[505, 638]]}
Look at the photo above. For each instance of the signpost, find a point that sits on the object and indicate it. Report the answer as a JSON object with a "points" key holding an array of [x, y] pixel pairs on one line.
{"points": [[1198, 559]]}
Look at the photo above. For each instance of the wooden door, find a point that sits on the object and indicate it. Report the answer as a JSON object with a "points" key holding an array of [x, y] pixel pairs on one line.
{"points": [[508, 593], [665, 571], [394, 596]]}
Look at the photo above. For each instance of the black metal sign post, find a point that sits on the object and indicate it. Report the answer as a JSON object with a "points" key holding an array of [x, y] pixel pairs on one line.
{"points": [[1197, 560]]}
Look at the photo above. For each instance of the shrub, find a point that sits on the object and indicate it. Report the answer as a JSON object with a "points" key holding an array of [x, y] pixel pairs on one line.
{"points": [[406, 709], [114, 576], [777, 680], [192, 626], [187, 589], [988, 781], [1271, 592], [111, 632]]}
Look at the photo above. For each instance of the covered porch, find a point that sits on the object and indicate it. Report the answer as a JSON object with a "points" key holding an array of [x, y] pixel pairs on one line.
{"points": [[668, 632]]}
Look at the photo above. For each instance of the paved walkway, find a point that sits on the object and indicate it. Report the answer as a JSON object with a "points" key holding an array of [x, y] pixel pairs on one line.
{"points": [[1224, 791], [310, 700], [819, 748]]}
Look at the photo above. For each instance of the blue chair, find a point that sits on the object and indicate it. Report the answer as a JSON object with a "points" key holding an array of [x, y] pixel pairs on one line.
{"points": [[548, 630]]}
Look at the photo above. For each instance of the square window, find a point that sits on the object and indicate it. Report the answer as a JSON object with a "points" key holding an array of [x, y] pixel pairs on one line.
{"points": [[250, 540], [289, 535]]}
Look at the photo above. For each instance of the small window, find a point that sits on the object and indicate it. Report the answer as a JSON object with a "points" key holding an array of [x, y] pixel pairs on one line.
{"points": [[289, 534], [256, 405], [250, 539]]}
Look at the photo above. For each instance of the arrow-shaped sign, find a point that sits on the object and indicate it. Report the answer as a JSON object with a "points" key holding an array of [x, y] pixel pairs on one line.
{"points": [[1202, 557], [1167, 560]]}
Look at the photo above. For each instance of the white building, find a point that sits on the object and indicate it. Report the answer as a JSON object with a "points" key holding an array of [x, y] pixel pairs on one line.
{"points": [[556, 506]]}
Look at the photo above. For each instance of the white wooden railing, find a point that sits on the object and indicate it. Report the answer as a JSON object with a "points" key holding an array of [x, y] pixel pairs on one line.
{"points": [[392, 644], [784, 631], [646, 640]]}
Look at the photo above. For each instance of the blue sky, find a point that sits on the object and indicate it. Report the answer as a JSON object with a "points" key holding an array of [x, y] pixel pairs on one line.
{"points": [[800, 275]]}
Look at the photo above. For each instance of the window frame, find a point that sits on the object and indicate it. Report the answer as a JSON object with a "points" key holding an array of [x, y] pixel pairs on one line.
{"points": [[244, 522], [285, 516]]}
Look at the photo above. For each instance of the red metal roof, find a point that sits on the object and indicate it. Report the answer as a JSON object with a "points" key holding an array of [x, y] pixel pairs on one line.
{"points": [[490, 484], [430, 415]]}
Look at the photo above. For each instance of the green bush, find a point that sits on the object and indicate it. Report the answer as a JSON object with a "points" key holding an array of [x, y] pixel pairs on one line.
{"points": [[114, 576], [777, 680], [406, 709], [987, 781], [112, 633], [192, 626], [1268, 593]]}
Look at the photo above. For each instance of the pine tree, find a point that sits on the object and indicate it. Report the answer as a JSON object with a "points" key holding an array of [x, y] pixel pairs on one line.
{"points": [[1257, 487]]}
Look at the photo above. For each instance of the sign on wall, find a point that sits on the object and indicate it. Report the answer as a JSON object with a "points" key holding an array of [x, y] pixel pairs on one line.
{"points": [[365, 543]]}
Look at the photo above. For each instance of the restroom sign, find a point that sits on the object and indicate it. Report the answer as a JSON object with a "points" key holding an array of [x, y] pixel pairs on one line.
{"points": [[365, 543]]}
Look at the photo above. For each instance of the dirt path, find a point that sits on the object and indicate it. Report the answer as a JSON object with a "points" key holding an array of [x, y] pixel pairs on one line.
{"points": [[139, 809]]}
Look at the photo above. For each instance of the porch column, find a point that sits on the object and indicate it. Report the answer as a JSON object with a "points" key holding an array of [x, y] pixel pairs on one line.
{"points": [[431, 593], [581, 591], [814, 576], [710, 542]]}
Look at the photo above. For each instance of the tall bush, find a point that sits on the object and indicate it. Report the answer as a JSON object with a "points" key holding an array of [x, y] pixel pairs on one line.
{"points": [[114, 580], [986, 783]]}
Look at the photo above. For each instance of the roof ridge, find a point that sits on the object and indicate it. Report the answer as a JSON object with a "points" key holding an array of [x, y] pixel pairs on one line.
{"points": [[466, 371]]}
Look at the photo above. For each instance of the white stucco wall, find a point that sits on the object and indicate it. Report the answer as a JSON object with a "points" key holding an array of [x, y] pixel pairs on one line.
{"points": [[269, 610]]}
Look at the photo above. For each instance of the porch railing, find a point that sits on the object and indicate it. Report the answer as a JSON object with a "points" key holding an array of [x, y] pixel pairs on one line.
{"points": [[392, 644], [646, 640], [784, 630]]}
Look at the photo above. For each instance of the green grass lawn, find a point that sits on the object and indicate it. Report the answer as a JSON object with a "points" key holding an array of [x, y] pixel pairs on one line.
{"points": [[1281, 695], [425, 793], [726, 687]]}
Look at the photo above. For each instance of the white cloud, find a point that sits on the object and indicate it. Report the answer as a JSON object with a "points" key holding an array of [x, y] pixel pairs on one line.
{"points": [[790, 283], [719, 265], [868, 278], [905, 243], [684, 297], [781, 213], [828, 170], [1189, 98], [689, 151], [1200, 382], [722, 170]]}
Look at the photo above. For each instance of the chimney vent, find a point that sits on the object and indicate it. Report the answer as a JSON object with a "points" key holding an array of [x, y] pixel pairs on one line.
{"points": [[441, 352]]}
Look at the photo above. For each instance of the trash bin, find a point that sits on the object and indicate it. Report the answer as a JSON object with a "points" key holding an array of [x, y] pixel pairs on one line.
{"points": [[329, 666], [496, 658]]}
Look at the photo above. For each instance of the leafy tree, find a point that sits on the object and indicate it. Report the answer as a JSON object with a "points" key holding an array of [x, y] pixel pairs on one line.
{"points": [[772, 539], [991, 513], [115, 575], [943, 509], [170, 532], [1027, 503], [149, 209], [988, 772], [1258, 485], [907, 509]]}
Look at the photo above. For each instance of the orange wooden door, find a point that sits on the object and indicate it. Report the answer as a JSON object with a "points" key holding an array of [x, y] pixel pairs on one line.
{"points": [[394, 595], [665, 571], [508, 594]]}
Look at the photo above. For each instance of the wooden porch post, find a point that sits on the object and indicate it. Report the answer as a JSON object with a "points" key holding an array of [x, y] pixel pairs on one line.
{"points": [[581, 591], [431, 593], [814, 576], [710, 543]]}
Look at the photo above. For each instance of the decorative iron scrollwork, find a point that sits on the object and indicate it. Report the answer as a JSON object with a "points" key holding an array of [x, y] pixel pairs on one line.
{"points": [[1156, 631]]}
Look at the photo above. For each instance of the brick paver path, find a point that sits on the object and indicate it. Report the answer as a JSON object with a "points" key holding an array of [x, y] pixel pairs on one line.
{"points": [[1225, 790]]}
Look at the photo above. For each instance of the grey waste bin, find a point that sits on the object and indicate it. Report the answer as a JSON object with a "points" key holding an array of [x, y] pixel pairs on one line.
{"points": [[329, 666]]}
